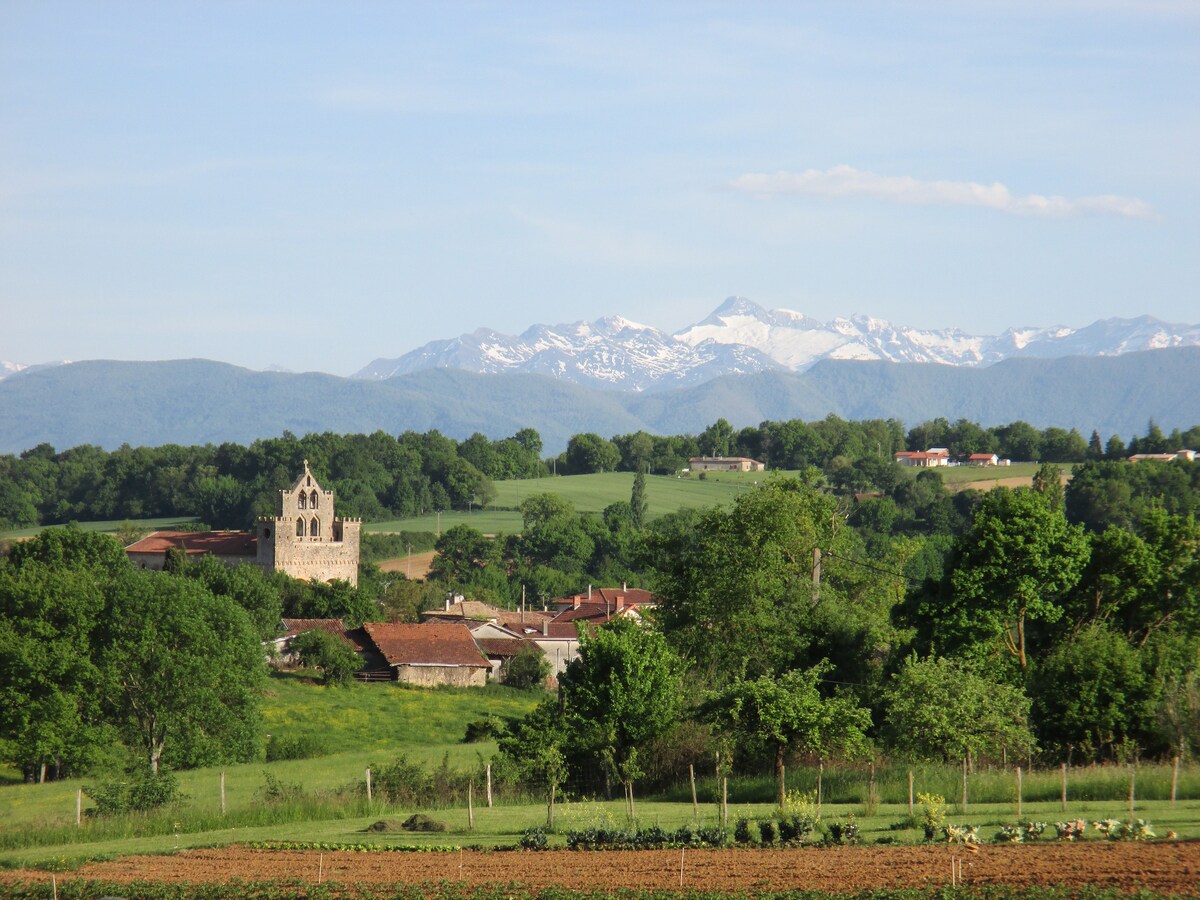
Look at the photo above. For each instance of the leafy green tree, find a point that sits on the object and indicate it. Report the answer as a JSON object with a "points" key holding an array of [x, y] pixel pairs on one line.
{"points": [[528, 669], [789, 712], [940, 709], [737, 587], [330, 653], [620, 692], [534, 748], [48, 710], [72, 547], [589, 452], [461, 553], [180, 671], [1091, 696], [638, 506], [1016, 564]]}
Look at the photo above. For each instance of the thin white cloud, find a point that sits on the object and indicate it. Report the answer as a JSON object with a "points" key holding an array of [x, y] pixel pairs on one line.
{"points": [[846, 181]]}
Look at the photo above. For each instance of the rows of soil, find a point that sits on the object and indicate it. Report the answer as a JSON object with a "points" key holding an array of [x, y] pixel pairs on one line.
{"points": [[1167, 867]]}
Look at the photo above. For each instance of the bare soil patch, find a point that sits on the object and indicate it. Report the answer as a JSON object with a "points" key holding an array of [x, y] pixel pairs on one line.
{"points": [[413, 567], [1166, 867]]}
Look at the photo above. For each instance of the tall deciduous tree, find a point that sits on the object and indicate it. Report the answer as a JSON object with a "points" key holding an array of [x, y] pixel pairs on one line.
{"points": [[48, 711], [789, 712], [180, 671], [736, 587], [621, 691], [1015, 565], [940, 709]]}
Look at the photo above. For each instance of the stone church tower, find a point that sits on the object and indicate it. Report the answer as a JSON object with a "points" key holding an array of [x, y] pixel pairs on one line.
{"points": [[305, 539]]}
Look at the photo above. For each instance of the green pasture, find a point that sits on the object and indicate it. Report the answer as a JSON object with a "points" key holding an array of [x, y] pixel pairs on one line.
{"points": [[588, 493], [324, 798], [108, 527]]}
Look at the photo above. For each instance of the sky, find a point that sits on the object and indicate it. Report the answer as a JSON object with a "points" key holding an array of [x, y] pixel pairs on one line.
{"points": [[316, 185]]}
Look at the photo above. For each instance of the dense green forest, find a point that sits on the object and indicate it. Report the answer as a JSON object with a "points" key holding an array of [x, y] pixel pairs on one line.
{"points": [[857, 609], [378, 476]]}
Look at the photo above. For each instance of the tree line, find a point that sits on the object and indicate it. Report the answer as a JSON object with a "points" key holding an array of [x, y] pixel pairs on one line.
{"points": [[378, 476]]}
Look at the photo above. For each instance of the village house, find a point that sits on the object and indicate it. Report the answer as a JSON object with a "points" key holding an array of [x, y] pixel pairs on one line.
{"points": [[1182, 455], [428, 655], [280, 647], [927, 459], [304, 539], [983, 459], [725, 464]]}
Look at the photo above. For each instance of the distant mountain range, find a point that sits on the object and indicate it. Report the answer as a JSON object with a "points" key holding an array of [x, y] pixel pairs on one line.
{"points": [[742, 338], [199, 401]]}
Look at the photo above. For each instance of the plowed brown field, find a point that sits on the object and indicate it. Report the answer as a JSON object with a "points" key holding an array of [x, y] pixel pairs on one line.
{"points": [[1163, 867]]}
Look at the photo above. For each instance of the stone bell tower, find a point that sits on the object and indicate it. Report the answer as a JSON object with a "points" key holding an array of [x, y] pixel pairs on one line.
{"points": [[305, 539]]}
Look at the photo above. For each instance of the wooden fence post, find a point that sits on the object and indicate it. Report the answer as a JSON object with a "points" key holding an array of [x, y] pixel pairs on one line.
{"points": [[222, 792], [910, 792], [470, 806], [1174, 780], [79, 807], [1064, 787], [1018, 792], [964, 792], [489, 785], [820, 779], [1131, 792], [725, 801], [695, 804], [782, 784], [368, 785]]}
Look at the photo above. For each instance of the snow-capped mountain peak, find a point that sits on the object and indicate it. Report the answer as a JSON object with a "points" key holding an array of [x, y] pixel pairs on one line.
{"points": [[740, 336]]}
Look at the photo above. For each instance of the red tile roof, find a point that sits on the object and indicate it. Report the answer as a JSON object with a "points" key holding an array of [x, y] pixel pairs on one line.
{"points": [[221, 543], [429, 644], [505, 646], [293, 627]]}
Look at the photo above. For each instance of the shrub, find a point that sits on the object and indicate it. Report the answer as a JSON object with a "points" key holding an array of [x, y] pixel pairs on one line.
{"points": [[844, 832], [419, 822], [484, 730], [766, 829], [932, 815], [275, 791], [528, 669], [746, 832], [534, 839], [139, 791], [303, 746]]}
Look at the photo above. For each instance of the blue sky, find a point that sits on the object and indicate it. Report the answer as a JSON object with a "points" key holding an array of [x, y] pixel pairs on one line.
{"points": [[316, 185]]}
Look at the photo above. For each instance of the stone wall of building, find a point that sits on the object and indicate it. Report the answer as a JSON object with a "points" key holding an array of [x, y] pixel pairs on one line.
{"points": [[433, 676], [305, 539]]}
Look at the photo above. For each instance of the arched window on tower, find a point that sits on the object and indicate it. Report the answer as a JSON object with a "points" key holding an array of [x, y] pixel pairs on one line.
{"points": [[312, 500], [302, 500], [314, 527], [299, 527]]}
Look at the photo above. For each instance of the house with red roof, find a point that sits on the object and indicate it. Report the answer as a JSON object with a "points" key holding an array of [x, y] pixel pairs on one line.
{"points": [[429, 655]]}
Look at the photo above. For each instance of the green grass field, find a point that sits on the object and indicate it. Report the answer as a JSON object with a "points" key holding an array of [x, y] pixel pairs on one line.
{"points": [[371, 724], [588, 493], [108, 527]]}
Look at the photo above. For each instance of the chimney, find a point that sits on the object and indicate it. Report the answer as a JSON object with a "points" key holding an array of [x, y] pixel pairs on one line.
{"points": [[449, 594], [624, 586], [545, 627]]}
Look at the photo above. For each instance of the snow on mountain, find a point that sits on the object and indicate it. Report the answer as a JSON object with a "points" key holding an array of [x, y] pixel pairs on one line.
{"points": [[740, 336], [8, 369]]}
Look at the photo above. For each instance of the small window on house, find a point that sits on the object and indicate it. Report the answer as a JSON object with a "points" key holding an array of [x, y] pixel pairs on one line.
{"points": [[312, 500], [302, 499], [299, 528], [314, 527]]}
